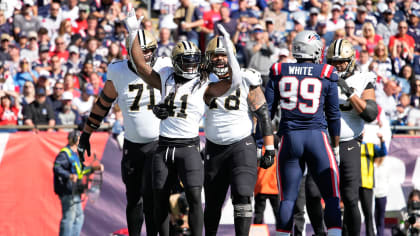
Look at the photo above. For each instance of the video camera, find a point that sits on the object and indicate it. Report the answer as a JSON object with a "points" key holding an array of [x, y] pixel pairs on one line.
{"points": [[413, 210]]}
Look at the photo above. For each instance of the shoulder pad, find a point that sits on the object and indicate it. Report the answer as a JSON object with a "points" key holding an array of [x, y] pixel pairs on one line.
{"points": [[329, 72], [251, 76], [114, 68], [275, 69]]}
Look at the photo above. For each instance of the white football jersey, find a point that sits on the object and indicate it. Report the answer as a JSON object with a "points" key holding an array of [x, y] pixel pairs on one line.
{"points": [[136, 99], [228, 118], [188, 106], [351, 123]]}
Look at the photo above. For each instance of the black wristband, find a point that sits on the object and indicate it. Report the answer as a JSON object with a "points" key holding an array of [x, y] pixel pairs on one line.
{"points": [[106, 98]]}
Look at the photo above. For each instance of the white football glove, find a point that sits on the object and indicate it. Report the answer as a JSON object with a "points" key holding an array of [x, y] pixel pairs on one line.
{"points": [[233, 62], [133, 25], [336, 151]]}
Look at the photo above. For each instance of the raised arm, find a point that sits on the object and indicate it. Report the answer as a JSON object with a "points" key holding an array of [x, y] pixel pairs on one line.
{"points": [[136, 53], [225, 86]]}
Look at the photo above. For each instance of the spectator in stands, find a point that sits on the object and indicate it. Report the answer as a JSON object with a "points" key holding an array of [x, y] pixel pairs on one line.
{"points": [[14, 64], [165, 45], [385, 98], [415, 92], [70, 10], [364, 61], [74, 64], [66, 115], [241, 37], [64, 32], [387, 26], [4, 47], [25, 74], [413, 119], [404, 38], [43, 37], [92, 25], [55, 98], [325, 11], [349, 28], [28, 94], [360, 20], [31, 51], [245, 10], [274, 36], [85, 102], [335, 22], [189, 20], [60, 49], [91, 53], [68, 172], [414, 28], [5, 28], [6, 81], [39, 112], [400, 55], [228, 23], [404, 9], [260, 50], [276, 13], [372, 39], [57, 71], [26, 21], [391, 4], [313, 19], [81, 22], [406, 78], [43, 61], [210, 18], [96, 82], [22, 40], [403, 109], [299, 21], [71, 84], [54, 19], [9, 108], [44, 81], [85, 73], [380, 56]]}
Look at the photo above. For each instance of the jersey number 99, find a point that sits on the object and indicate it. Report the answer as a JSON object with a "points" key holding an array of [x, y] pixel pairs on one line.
{"points": [[308, 88]]}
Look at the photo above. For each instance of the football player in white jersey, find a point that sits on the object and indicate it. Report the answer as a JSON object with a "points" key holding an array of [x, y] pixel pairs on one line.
{"points": [[357, 106], [231, 156], [183, 90], [136, 100]]}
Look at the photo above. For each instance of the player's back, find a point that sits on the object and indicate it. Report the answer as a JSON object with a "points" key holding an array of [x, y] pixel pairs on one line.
{"points": [[302, 90]]}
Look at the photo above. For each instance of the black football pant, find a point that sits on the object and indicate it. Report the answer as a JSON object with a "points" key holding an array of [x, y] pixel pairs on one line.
{"points": [[366, 200], [136, 171]]}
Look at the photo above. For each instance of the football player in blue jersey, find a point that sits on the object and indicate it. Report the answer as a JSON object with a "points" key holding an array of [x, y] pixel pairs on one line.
{"points": [[308, 97]]}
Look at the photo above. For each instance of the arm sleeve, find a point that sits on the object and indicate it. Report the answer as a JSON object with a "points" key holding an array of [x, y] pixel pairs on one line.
{"points": [[62, 165], [270, 97], [332, 110], [380, 151]]}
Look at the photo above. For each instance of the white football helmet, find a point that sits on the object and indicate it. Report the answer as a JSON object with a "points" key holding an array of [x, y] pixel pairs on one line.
{"points": [[308, 45]]}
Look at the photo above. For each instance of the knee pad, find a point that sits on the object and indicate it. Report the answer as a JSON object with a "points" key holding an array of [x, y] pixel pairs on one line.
{"points": [[242, 210]]}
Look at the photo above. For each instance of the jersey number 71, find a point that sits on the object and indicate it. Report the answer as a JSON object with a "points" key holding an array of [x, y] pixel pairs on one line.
{"points": [[309, 88]]}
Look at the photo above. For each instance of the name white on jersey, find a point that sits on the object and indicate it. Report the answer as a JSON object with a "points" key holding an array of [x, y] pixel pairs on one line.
{"points": [[136, 99], [188, 106], [228, 118], [351, 123]]}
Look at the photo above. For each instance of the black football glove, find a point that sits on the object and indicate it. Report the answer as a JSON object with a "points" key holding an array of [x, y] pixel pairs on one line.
{"points": [[84, 145], [345, 89], [268, 159], [161, 111]]}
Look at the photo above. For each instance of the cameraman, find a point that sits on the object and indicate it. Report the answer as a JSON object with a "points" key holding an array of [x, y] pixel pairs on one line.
{"points": [[68, 172], [412, 219]]}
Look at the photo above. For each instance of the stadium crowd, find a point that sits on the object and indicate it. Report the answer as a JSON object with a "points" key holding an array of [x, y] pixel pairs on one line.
{"points": [[54, 55]]}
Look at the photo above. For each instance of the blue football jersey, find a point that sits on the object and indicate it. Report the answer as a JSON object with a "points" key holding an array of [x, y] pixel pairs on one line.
{"points": [[307, 95]]}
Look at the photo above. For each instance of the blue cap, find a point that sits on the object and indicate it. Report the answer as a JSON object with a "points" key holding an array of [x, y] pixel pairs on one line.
{"points": [[89, 90]]}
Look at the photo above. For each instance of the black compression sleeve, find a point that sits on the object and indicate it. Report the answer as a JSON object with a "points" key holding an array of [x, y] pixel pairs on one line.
{"points": [[370, 112], [264, 119], [106, 98]]}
